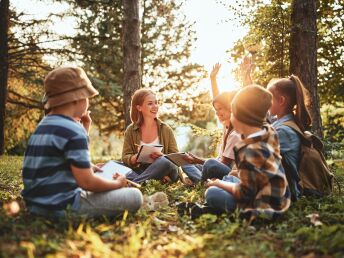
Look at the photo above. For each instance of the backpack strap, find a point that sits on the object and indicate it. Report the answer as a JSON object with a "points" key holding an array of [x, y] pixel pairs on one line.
{"points": [[296, 128]]}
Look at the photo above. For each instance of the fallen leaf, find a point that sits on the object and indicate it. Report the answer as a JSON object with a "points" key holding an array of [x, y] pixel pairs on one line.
{"points": [[314, 217]]}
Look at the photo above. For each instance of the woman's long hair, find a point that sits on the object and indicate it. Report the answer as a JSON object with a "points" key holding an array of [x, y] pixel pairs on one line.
{"points": [[137, 99], [296, 94]]}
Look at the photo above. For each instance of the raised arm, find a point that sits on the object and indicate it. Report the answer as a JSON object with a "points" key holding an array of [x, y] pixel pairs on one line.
{"points": [[213, 75], [246, 67]]}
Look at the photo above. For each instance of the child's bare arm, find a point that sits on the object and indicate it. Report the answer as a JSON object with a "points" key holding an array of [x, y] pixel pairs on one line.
{"points": [[87, 180], [227, 186], [213, 75]]}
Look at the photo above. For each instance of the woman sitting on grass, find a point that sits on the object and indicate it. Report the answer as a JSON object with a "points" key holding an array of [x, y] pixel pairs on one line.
{"points": [[146, 128]]}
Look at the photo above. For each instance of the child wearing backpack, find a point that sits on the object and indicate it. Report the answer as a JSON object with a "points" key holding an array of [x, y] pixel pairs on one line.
{"points": [[293, 119], [57, 170], [261, 185], [288, 96]]}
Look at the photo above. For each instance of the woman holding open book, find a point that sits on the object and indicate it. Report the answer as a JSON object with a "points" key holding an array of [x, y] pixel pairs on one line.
{"points": [[147, 129]]}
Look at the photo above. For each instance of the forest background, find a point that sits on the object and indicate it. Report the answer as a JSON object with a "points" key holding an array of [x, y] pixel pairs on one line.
{"points": [[280, 37], [168, 40]]}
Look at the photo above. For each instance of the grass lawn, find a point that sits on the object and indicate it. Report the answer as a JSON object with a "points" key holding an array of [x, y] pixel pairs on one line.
{"points": [[164, 234]]}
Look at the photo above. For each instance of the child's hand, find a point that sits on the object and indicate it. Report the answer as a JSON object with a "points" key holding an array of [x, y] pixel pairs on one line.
{"points": [[97, 167], [213, 182], [194, 159], [120, 179], [86, 121], [156, 155], [215, 71]]}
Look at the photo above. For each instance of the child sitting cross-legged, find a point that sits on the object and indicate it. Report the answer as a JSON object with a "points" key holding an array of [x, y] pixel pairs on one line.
{"points": [[261, 185], [57, 171]]}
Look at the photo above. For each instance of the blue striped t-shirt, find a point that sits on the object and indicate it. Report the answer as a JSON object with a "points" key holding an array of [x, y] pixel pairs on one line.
{"points": [[57, 143]]}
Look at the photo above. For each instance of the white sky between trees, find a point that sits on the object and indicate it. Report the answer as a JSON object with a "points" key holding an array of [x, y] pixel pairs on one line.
{"points": [[214, 34]]}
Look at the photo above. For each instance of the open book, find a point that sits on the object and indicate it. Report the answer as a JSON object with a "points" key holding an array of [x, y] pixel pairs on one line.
{"points": [[177, 158], [145, 151], [111, 167]]}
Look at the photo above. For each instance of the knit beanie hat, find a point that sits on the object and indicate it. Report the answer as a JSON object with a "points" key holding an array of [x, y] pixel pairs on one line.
{"points": [[251, 104], [66, 84]]}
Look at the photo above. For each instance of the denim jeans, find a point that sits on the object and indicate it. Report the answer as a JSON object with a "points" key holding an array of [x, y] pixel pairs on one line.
{"points": [[110, 203], [213, 168], [160, 168], [220, 199], [194, 172]]}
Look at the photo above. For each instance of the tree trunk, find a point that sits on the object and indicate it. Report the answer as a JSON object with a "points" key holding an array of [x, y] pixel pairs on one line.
{"points": [[303, 53], [4, 17], [131, 53]]}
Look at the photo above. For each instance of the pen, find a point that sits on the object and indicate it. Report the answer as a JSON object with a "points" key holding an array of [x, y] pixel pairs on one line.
{"points": [[133, 183]]}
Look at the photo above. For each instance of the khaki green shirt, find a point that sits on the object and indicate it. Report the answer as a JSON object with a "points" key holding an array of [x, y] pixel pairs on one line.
{"points": [[132, 139]]}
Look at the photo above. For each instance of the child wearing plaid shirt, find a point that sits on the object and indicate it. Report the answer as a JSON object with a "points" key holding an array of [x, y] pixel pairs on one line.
{"points": [[261, 185]]}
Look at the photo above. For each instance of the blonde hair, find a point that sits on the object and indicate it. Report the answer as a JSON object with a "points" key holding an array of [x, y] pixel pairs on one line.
{"points": [[137, 99]]}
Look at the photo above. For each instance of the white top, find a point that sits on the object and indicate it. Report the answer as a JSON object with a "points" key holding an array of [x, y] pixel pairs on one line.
{"points": [[232, 139], [156, 141]]}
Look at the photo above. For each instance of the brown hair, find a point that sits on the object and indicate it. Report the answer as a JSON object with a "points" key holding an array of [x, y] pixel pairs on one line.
{"points": [[296, 94], [137, 99], [225, 99]]}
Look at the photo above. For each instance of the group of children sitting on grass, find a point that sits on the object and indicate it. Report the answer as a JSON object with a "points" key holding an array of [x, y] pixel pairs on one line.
{"points": [[248, 174]]}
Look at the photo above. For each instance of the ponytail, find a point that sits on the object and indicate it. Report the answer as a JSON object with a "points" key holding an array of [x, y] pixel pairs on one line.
{"points": [[293, 89], [302, 117]]}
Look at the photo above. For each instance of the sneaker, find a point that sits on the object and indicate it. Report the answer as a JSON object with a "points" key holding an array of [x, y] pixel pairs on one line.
{"points": [[198, 210], [184, 208]]}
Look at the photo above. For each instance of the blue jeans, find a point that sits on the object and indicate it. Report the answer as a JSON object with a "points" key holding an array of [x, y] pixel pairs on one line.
{"points": [[213, 168], [220, 199], [194, 172], [160, 168]]}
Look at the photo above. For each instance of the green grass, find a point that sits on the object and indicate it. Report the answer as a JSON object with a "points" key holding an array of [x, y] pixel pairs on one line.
{"points": [[163, 234]]}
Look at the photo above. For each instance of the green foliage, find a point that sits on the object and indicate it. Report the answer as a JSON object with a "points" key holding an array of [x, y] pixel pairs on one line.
{"points": [[267, 40], [166, 42], [162, 233], [333, 120], [10, 177], [268, 43], [26, 72], [331, 51]]}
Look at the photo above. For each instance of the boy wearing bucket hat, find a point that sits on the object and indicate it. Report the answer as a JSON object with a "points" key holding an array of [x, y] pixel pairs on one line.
{"points": [[57, 171], [261, 186]]}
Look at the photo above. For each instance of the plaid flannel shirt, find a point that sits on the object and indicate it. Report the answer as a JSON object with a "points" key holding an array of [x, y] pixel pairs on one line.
{"points": [[263, 183]]}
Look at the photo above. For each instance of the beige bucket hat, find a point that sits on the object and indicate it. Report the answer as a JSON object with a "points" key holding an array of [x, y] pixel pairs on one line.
{"points": [[66, 84]]}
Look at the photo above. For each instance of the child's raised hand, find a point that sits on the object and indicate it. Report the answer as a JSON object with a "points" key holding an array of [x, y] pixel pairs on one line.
{"points": [[215, 71]]}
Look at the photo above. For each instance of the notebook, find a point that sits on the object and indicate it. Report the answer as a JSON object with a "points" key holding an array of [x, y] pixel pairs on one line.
{"points": [[111, 167], [177, 158], [146, 150]]}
